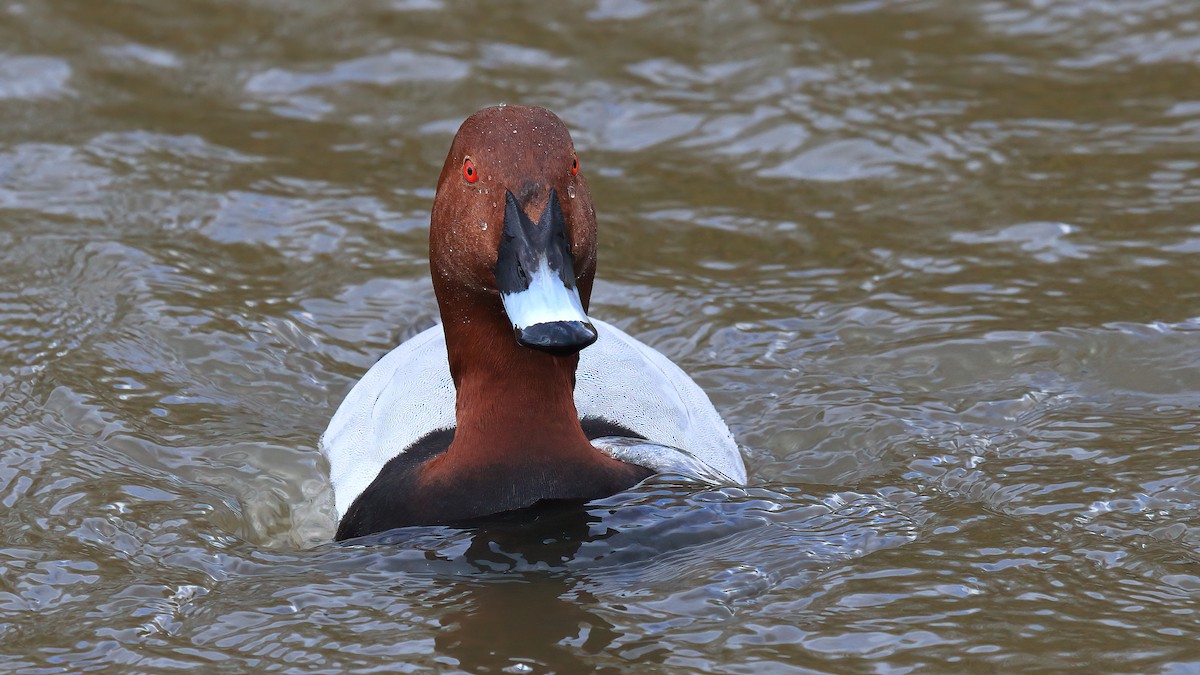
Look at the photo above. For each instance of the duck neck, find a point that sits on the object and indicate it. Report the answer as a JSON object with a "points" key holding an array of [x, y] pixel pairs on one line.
{"points": [[514, 405]]}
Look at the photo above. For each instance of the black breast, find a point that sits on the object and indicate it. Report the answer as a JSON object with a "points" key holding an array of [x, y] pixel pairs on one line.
{"points": [[389, 501]]}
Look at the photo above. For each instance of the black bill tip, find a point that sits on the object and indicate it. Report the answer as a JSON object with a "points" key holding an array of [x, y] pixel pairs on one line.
{"points": [[559, 338]]}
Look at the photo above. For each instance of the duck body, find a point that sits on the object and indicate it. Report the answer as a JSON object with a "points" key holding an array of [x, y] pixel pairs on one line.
{"points": [[404, 407], [496, 408]]}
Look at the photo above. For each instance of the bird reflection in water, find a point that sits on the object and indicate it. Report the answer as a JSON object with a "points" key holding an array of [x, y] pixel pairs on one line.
{"points": [[522, 601]]}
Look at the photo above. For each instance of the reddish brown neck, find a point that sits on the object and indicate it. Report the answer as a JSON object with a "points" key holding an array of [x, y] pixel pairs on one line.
{"points": [[514, 405]]}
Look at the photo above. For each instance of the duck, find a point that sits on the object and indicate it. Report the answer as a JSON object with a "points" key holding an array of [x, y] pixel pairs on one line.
{"points": [[518, 397]]}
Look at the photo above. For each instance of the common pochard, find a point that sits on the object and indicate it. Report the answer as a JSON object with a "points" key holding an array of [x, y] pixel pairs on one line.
{"points": [[518, 396]]}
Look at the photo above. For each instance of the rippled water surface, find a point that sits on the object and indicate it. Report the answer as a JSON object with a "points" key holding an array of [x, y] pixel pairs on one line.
{"points": [[937, 263]]}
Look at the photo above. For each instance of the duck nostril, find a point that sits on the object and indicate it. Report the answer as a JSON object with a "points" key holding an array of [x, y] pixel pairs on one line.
{"points": [[521, 272]]}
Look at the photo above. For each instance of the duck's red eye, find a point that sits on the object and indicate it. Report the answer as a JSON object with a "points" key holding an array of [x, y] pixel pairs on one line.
{"points": [[574, 166], [469, 172]]}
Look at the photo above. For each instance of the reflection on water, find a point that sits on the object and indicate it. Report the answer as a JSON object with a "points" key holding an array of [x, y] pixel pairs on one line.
{"points": [[519, 602], [933, 261]]}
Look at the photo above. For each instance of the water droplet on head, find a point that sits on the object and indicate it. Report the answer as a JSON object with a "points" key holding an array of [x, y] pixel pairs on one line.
{"points": [[483, 225], [571, 191]]}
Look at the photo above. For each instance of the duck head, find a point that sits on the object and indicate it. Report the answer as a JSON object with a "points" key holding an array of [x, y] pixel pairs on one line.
{"points": [[513, 234]]}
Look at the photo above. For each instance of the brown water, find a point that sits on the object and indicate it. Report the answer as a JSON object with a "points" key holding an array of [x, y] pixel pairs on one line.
{"points": [[936, 262]]}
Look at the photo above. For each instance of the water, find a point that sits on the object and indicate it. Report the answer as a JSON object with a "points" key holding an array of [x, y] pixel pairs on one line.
{"points": [[935, 262]]}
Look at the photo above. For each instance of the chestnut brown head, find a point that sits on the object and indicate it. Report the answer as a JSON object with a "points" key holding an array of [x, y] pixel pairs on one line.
{"points": [[513, 229]]}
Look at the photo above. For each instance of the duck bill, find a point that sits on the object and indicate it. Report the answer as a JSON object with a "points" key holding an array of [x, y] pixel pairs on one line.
{"points": [[536, 279]]}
